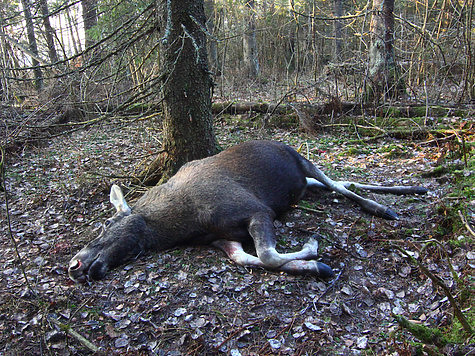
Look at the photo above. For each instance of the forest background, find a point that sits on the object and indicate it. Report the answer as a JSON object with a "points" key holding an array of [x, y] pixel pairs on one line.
{"points": [[98, 56]]}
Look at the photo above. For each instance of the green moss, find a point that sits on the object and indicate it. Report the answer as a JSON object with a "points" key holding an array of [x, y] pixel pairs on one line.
{"points": [[423, 333], [419, 111], [436, 172], [353, 151], [394, 151], [455, 332]]}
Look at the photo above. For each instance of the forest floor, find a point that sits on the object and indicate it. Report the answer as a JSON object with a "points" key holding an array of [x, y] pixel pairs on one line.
{"points": [[193, 300]]}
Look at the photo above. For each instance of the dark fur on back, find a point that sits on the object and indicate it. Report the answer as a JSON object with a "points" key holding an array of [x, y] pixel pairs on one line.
{"points": [[213, 198]]}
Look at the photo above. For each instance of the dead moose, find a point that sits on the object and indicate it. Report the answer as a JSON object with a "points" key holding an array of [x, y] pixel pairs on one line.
{"points": [[222, 200]]}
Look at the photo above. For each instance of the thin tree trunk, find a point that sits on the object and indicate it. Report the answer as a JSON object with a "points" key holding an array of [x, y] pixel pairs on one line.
{"points": [[71, 26], [337, 30], [33, 46], [213, 45], [383, 77], [251, 60], [49, 31], [89, 15]]}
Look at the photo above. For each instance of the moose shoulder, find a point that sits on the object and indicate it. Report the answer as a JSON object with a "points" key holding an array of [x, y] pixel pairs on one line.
{"points": [[222, 200]]}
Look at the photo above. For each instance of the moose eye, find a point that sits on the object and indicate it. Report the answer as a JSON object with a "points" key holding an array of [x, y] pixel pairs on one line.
{"points": [[107, 223]]}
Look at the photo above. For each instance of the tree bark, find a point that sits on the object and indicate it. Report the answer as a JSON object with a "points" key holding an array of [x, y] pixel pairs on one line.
{"points": [[30, 30], [251, 60], [49, 31], [337, 30], [187, 121], [89, 15], [212, 43], [383, 77]]}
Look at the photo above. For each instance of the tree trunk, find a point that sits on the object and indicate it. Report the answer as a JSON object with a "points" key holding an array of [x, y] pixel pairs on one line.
{"points": [[187, 121], [250, 43], [71, 25], [212, 43], [383, 77], [89, 15], [49, 31], [33, 46], [337, 26]]}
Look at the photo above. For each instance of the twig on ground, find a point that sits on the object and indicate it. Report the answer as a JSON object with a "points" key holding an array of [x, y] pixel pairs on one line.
{"points": [[74, 334], [466, 224], [318, 211], [330, 286], [238, 331]]}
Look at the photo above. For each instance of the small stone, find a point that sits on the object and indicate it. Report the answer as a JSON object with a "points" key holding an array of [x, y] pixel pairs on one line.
{"points": [[405, 271], [198, 323], [349, 342], [360, 251], [397, 310], [275, 344], [179, 312], [346, 290], [121, 342], [312, 326], [362, 342]]}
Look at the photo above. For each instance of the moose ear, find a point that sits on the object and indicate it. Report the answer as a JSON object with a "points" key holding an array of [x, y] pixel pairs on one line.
{"points": [[117, 199]]}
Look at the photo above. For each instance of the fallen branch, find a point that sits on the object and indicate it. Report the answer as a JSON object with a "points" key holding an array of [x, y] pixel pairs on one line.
{"points": [[317, 211], [74, 334], [465, 222], [330, 286]]}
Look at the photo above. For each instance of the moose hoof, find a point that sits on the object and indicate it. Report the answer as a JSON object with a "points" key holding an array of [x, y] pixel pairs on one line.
{"points": [[390, 215], [420, 190], [324, 271]]}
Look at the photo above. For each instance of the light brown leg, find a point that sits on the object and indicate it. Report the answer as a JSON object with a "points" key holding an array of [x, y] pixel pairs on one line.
{"points": [[236, 253]]}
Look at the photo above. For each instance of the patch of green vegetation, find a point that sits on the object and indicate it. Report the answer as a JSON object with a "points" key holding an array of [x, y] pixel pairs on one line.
{"points": [[455, 332], [284, 121], [426, 334], [138, 107], [395, 151], [355, 151], [439, 337], [436, 172], [308, 204], [419, 111]]}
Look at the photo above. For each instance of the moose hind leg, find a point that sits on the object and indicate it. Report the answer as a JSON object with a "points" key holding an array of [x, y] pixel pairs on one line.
{"points": [[369, 205], [261, 228], [235, 252]]}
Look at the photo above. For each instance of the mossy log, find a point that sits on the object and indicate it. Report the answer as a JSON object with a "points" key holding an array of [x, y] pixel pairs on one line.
{"points": [[335, 106]]}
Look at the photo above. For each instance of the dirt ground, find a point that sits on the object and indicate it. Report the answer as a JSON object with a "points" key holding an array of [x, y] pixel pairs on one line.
{"points": [[193, 300]]}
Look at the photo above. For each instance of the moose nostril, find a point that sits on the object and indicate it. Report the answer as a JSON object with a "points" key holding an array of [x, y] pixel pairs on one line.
{"points": [[76, 265]]}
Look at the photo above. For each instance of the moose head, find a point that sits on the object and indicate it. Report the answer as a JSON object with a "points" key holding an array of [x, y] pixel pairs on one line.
{"points": [[120, 240]]}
